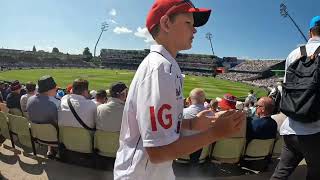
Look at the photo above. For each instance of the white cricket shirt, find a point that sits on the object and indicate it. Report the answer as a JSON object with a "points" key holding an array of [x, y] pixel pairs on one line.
{"points": [[152, 117]]}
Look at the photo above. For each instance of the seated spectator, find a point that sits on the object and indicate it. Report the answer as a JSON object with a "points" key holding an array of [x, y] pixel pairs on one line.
{"points": [[83, 106], [43, 107], [5, 90], [214, 105], [251, 97], [110, 114], [227, 102], [101, 97], [1, 92], [197, 99], [69, 89], [13, 98], [264, 127], [60, 93], [253, 109], [31, 90], [93, 94]]}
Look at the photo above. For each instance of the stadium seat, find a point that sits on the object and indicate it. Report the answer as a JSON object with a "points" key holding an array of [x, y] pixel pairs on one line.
{"points": [[204, 155], [20, 127], [228, 150], [106, 143], [257, 155], [258, 149], [76, 139], [4, 127], [15, 111], [277, 147], [44, 134]]}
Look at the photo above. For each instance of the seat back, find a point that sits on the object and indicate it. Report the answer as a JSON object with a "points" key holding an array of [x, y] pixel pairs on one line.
{"points": [[4, 108], [106, 143], [204, 154], [228, 150], [15, 111], [76, 139], [258, 149], [19, 126], [277, 147], [4, 129], [45, 134]]}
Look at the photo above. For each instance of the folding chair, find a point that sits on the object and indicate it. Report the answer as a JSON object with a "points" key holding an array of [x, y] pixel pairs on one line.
{"points": [[228, 150], [203, 157], [20, 127], [44, 134], [15, 111], [258, 154], [106, 143], [4, 127], [76, 139], [76, 146]]}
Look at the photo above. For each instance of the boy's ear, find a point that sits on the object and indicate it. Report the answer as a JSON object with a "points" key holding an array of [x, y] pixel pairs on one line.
{"points": [[164, 23]]}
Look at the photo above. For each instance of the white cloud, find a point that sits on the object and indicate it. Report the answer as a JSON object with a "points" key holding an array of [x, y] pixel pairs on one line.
{"points": [[122, 30], [112, 12], [113, 21], [144, 34]]}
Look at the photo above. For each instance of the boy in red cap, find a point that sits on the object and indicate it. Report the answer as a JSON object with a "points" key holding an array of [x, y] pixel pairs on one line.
{"points": [[152, 117]]}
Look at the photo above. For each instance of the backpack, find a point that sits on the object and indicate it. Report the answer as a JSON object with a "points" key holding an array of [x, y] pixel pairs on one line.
{"points": [[301, 91]]}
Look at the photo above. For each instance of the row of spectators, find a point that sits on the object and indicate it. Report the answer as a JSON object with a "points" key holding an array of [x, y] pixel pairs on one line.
{"points": [[259, 124], [45, 103]]}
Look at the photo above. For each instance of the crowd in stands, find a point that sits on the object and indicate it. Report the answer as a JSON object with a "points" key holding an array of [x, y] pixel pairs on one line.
{"points": [[45, 103], [235, 76], [77, 106], [255, 65]]}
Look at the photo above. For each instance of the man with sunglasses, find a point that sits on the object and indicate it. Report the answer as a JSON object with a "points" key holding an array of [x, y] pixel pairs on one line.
{"points": [[153, 114], [264, 127]]}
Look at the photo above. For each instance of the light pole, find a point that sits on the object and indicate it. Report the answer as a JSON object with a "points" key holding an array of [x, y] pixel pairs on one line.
{"points": [[104, 27], [284, 12], [209, 37]]}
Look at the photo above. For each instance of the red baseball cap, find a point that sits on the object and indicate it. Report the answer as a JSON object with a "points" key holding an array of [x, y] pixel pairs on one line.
{"points": [[228, 102], [169, 7]]}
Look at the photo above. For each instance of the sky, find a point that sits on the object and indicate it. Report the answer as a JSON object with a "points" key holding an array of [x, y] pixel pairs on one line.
{"points": [[241, 28]]}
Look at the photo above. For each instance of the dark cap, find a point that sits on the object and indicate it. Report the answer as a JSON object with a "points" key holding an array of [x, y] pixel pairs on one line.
{"points": [[46, 83], [117, 88], [15, 85]]}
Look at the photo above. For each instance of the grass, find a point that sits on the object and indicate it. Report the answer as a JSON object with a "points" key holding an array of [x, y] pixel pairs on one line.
{"points": [[102, 78]]}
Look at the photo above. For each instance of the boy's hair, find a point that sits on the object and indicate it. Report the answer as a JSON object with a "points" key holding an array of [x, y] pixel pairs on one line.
{"points": [[316, 30], [79, 86], [155, 31]]}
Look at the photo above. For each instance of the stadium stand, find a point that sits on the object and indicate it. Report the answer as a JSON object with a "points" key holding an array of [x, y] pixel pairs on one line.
{"points": [[17, 59], [130, 59], [255, 72]]}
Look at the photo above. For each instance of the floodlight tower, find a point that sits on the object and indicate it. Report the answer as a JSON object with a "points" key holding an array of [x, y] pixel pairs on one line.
{"points": [[284, 12], [209, 37], [104, 27]]}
